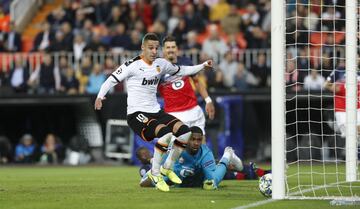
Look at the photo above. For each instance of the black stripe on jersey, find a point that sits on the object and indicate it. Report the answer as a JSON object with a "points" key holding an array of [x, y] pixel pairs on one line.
{"points": [[115, 78], [177, 70], [127, 63]]}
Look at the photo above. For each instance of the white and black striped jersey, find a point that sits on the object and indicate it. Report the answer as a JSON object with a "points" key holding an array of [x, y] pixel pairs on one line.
{"points": [[142, 80]]}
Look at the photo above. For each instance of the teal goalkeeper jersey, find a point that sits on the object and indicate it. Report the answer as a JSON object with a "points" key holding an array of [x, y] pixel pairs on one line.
{"points": [[194, 169]]}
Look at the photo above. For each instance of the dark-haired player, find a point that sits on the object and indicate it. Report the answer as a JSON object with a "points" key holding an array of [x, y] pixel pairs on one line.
{"points": [[144, 116]]}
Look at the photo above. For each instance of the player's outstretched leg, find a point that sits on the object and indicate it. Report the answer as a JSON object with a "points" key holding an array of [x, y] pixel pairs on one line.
{"points": [[234, 160], [182, 136], [160, 148]]}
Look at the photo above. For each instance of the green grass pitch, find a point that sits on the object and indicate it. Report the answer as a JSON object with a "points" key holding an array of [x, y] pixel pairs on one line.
{"points": [[103, 187]]}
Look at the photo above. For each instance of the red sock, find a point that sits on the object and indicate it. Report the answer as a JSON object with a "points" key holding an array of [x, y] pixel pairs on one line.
{"points": [[260, 172], [240, 176]]}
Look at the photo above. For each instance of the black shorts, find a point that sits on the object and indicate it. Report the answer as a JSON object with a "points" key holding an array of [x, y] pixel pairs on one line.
{"points": [[143, 124]]}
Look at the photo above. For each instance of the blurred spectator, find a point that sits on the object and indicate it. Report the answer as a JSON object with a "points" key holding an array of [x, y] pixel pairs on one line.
{"points": [[303, 64], [5, 150], [135, 43], [79, 19], [145, 11], [231, 24], [52, 151], [25, 149], [219, 10], [159, 28], [214, 46], [243, 79], [291, 76], [120, 41], [44, 38], [57, 17], [83, 73], [326, 65], [95, 44], [4, 20], [193, 20], [59, 44], [46, 75], [180, 32], [191, 42], [314, 81], [78, 47], [96, 79], [68, 35], [174, 19], [19, 75], [86, 30], [251, 18], [161, 10], [69, 82], [261, 71], [203, 10], [115, 18], [13, 39], [329, 18], [228, 66]]}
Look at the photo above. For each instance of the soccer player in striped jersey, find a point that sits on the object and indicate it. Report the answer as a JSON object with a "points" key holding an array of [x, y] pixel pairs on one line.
{"points": [[144, 116]]}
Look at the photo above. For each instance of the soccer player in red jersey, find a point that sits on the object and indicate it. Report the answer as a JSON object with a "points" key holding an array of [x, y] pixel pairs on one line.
{"points": [[338, 87], [178, 93]]}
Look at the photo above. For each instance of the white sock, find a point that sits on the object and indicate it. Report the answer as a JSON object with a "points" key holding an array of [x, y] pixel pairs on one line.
{"points": [[176, 150], [159, 149], [174, 154], [155, 167]]}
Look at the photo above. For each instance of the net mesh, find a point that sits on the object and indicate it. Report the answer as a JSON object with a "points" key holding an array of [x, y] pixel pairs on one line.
{"points": [[315, 144]]}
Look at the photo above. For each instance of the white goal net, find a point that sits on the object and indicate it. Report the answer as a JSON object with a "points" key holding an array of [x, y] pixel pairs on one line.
{"points": [[320, 142]]}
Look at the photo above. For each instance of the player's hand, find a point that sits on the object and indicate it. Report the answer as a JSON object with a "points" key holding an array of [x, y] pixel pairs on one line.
{"points": [[210, 110], [98, 103], [208, 64]]}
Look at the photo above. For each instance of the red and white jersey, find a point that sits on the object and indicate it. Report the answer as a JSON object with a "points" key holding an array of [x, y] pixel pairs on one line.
{"points": [[178, 93], [340, 97]]}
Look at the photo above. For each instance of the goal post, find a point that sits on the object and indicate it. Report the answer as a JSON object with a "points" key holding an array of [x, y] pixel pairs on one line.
{"points": [[312, 156], [278, 98], [351, 89]]}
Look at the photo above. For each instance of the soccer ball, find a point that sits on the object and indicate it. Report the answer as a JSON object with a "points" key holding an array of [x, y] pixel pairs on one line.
{"points": [[265, 185]]}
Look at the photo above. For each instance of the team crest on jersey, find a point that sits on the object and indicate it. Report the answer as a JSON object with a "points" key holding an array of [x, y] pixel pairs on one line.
{"points": [[158, 69], [181, 160], [118, 71]]}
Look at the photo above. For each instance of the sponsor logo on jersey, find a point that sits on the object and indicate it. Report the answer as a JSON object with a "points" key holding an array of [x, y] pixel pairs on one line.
{"points": [[153, 81]]}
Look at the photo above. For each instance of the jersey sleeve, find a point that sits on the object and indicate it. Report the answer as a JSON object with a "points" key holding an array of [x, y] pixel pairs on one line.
{"points": [[208, 165], [182, 70], [115, 77]]}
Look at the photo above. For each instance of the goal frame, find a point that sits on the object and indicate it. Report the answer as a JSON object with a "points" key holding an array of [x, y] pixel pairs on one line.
{"points": [[278, 94]]}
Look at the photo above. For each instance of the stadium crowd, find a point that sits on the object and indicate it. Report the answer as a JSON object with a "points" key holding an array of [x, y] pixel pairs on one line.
{"points": [[217, 29]]}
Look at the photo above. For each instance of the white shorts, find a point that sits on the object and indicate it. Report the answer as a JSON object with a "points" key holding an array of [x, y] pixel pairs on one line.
{"points": [[341, 121], [192, 117]]}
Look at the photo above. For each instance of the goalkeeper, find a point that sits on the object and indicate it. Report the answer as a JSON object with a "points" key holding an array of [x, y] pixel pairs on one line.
{"points": [[196, 166]]}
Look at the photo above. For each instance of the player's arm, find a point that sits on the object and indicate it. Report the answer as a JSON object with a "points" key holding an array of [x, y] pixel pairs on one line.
{"points": [[117, 76], [209, 107], [208, 166], [331, 86], [184, 70]]}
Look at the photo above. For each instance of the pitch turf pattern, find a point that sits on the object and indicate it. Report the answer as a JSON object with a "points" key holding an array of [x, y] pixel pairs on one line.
{"points": [[117, 187]]}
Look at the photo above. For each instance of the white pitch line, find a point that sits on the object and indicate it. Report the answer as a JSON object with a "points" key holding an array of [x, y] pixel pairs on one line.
{"points": [[255, 204], [263, 202]]}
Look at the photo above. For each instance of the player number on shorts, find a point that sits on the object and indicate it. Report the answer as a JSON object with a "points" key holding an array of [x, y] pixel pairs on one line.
{"points": [[177, 84], [142, 118]]}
